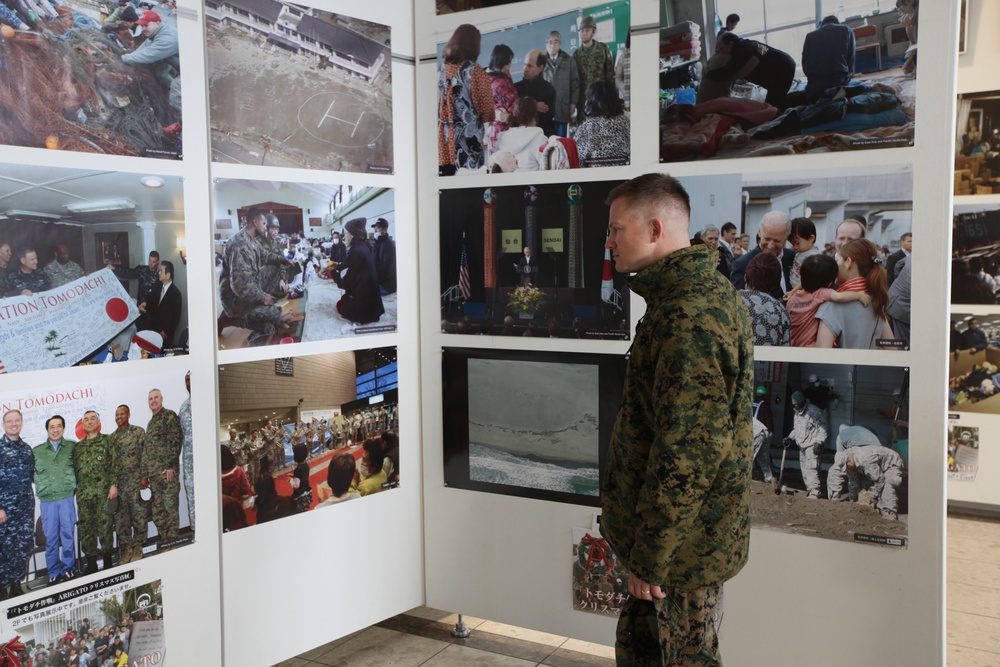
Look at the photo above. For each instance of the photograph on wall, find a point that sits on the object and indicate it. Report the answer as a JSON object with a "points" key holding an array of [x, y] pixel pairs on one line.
{"points": [[831, 450], [974, 363], [530, 261], [540, 92], [600, 581], [831, 265], [975, 254], [779, 78], [110, 621], [541, 431], [96, 77], [977, 143], [300, 262], [304, 433], [291, 85], [963, 452], [113, 458], [93, 267], [452, 6]]}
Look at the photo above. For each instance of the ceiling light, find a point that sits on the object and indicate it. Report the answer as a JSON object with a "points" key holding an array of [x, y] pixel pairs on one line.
{"points": [[152, 181], [102, 205], [18, 213]]}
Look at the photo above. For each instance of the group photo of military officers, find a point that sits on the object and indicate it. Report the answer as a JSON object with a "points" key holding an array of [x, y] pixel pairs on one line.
{"points": [[111, 461]]}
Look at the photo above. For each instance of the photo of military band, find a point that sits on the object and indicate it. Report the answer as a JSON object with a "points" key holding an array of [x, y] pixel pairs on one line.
{"points": [[302, 433], [97, 475], [103, 248]]}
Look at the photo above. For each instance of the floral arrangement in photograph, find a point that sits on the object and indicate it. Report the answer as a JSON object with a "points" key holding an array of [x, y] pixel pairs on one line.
{"points": [[526, 299]]}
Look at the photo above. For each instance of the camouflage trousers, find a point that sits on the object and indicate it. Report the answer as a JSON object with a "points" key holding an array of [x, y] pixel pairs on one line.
{"points": [[187, 472], [17, 539], [131, 516], [681, 630], [166, 498], [94, 522], [263, 320]]}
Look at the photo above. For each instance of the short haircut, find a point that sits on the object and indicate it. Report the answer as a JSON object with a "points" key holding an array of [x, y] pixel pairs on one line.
{"points": [[153, 253], [555, 35], [763, 273], [464, 45], [227, 458], [818, 271], [390, 439], [254, 213], [726, 228], [127, 408], [860, 218], [653, 190], [340, 473], [168, 267], [708, 228], [829, 19], [603, 100], [300, 452], [906, 235], [803, 228], [93, 412], [729, 38], [733, 18], [374, 448], [24, 251], [502, 56], [59, 417]]}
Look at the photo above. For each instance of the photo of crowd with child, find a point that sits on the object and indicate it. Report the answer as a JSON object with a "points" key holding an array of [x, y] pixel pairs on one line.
{"points": [[769, 80], [831, 263], [546, 93], [303, 433]]}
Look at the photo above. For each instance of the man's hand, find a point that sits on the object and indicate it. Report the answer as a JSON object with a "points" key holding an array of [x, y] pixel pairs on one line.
{"points": [[3, 516], [572, 109], [787, 442], [169, 473], [640, 589], [268, 300], [113, 493], [142, 307], [543, 107]]}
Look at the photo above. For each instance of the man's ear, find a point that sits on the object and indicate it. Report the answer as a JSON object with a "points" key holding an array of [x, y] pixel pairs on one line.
{"points": [[656, 230]]}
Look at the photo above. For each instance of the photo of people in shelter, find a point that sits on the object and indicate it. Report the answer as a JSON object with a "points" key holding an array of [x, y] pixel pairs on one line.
{"points": [[977, 143], [98, 76], [111, 622], [774, 77], [963, 452], [975, 254], [542, 93], [452, 6], [95, 475], [291, 85], [298, 262], [530, 261], [974, 363], [301, 433], [831, 449], [831, 264], [93, 267]]}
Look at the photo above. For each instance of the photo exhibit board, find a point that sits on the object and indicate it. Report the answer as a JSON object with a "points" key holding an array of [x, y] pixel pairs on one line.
{"points": [[974, 241], [905, 177]]}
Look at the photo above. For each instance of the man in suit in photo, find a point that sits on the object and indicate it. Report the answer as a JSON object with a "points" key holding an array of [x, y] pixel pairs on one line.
{"points": [[163, 306], [772, 235], [905, 247], [527, 268]]}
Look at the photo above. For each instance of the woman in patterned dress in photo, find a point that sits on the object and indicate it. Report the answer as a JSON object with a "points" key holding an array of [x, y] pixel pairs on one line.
{"points": [[465, 104]]}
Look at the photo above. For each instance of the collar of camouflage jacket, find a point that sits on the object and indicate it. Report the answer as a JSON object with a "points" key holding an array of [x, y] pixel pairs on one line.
{"points": [[669, 274]]}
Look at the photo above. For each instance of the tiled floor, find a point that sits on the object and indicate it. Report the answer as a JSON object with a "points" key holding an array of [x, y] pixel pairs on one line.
{"points": [[422, 637]]}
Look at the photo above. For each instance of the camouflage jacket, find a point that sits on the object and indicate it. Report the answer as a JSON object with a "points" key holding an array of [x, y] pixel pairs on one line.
{"points": [[676, 491], [163, 443], [594, 63], [60, 274], [240, 284], [17, 472], [97, 466], [130, 442], [148, 279]]}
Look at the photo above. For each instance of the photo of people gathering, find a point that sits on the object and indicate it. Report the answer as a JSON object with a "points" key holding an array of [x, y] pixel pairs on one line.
{"points": [[286, 460], [975, 255], [285, 276], [85, 476], [552, 93], [977, 143], [795, 83], [97, 76], [974, 363], [832, 262]]}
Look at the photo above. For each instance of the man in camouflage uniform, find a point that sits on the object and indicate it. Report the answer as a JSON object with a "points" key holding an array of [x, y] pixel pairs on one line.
{"points": [[130, 520], [163, 448], [676, 491], [148, 276], [273, 277], [62, 269], [809, 432], [95, 459], [240, 284], [594, 62], [25, 278], [187, 451], [17, 505]]}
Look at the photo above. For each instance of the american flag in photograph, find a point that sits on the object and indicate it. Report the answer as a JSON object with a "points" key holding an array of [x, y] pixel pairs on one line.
{"points": [[464, 288]]}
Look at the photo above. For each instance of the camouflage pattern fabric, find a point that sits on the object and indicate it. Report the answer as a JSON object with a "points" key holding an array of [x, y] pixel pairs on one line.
{"points": [[681, 630], [163, 449], [130, 520], [594, 63], [676, 491], [148, 280], [60, 274], [97, 468], [271, 272], [18, 281], [187, 458], [240, 283], [17, 534]]}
